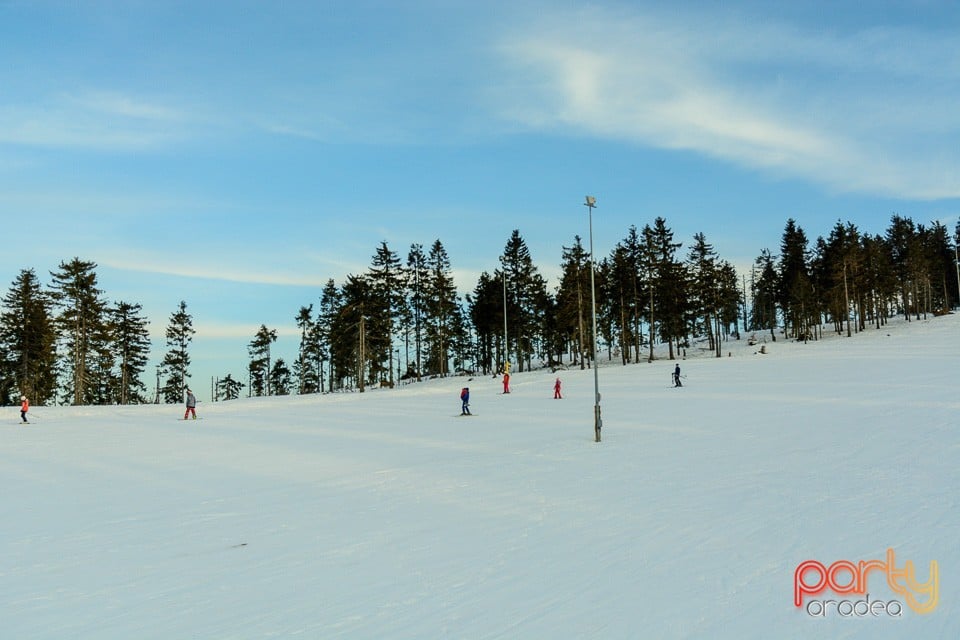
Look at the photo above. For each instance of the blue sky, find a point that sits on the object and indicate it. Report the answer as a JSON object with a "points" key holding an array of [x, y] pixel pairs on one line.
{"points": [[237, 155]]}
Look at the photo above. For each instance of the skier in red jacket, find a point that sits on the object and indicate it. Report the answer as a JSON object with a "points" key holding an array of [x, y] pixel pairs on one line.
{"points": [[556, 390], [24, 407]]}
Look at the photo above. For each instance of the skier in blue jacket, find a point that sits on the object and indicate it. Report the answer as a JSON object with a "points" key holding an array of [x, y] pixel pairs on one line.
{"points": [[465, 399]]}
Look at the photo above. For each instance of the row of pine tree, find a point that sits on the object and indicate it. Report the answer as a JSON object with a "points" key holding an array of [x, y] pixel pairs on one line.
{"points": [[404, 319]]}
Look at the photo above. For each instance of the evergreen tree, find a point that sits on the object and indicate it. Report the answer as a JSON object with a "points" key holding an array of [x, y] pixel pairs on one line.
{"points": [[259, 365], [625, 301], [573, 300], [650, 271], [632, 248], [527, 300], [763, 289], [442, 308], [923, 268], [835, 271], [81, 321], [228, 388], [387, 302], [668, 280], [555, 343], [940, 257], [104, 387], [795, 292], [417, 277], [879, 281], [731, 301], [617, 278], [705, 299], [956, 259], [901, 238], [176, 362], [605, 308], [308, 368], [331, 301], [485, 307], [348, 333], [131, 340], [280, 378], [462, 347], [28, 341]]}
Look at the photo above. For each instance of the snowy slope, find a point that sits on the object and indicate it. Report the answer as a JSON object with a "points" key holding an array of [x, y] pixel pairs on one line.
{"points": [[382, 515]]}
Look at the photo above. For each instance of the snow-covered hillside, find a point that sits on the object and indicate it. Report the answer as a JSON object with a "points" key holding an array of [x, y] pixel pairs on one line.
{"points": [[385, 515]]}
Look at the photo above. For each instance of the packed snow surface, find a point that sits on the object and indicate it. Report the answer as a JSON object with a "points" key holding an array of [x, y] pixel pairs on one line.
{"points": [[386, 515]]}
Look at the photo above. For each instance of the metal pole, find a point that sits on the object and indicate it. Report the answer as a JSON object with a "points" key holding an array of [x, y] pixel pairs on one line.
{"points": [[597, 421], [506, 341], [956, 262]]}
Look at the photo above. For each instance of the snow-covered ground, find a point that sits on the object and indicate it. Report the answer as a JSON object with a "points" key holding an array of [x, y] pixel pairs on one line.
{"points": [[383, 515]]}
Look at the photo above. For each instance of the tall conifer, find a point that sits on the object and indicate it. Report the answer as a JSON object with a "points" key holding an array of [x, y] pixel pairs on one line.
{"points": [[176, 361], [28, 340]]}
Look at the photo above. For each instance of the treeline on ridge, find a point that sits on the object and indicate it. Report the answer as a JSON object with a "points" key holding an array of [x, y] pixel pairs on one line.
{"points": [[404, 319]]}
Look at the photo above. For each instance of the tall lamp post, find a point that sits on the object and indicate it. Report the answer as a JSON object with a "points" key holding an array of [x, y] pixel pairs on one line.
{"points": [[506, 340], [597, 421], [956, 260]]}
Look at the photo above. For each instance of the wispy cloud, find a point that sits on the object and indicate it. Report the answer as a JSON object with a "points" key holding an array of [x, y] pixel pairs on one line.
{"points": [[100, 120], [226, 330], [282, 129], [114, 104], [221, 272], [870, 111], [207, 330], [237, 264]]}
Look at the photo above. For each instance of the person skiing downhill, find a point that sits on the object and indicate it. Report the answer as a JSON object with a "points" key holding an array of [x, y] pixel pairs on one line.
{"points": [[465, 400], [191, 405], [556, 390], [676, 376], [24, 407]]}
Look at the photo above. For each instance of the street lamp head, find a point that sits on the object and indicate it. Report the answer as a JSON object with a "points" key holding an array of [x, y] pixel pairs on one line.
{"points": [[591, 201]]}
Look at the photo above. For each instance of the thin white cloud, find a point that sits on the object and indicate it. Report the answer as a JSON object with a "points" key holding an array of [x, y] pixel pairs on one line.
{"points": [[221, 272], [102, 120], [870, 112], [226, 330], [207, 330], [295, 132], [74, 202], [115, 104]]}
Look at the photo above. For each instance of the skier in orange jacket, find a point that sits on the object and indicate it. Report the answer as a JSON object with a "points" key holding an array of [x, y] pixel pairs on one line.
{"points": [[24, 407]]}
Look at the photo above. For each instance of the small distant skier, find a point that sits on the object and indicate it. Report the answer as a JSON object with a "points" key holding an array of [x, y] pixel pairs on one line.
{"points": [[24, 407], [506, 381], [465, 400], [191, 405], [556, 390], [676, 376]]}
